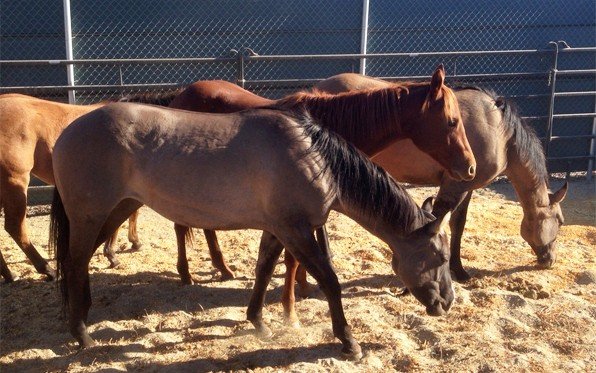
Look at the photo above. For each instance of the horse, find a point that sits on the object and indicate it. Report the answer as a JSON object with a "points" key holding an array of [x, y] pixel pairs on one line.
{"points": [[371, 120], [267, 169], [502, 144], [29, 128]]}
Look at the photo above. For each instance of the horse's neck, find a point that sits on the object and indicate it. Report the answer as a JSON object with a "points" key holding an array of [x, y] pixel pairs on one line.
{"points": [[370, 123], [531, 190], [389, 231]]}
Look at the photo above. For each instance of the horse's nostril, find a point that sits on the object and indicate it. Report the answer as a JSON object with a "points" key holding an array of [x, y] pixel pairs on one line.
{"points": [[472, 170]]}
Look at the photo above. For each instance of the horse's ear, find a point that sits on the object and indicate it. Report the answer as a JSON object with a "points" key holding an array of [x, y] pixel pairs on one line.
{"points": [[427, 205], [437, 225], [437, 81], [559, 195]]}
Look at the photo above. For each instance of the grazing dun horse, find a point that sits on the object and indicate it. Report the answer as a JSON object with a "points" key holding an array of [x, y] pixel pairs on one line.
{"points": [[502, 144], [261, 169]]}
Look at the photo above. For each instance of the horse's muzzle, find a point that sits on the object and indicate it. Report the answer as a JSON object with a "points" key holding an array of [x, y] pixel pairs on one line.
{"points": [[440, 308], [546, 255]]}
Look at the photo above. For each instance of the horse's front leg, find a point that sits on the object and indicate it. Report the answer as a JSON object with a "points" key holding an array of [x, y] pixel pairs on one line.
{"points": [[183, 235], [305, 289], [217, 258], [305, 248], [288, 298], [457, 203], [133, 235]]}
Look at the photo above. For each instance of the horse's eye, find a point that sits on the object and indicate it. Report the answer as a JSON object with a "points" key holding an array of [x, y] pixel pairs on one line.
{"points": [[452, 123]]}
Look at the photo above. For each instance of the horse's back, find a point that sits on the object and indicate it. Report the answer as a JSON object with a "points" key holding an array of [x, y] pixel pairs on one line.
{"points": [[204, 160], [349, 82], [29, 127], [217, 96]]}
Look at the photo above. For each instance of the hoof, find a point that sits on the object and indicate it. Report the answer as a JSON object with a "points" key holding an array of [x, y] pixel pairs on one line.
{"points": [[10, 279], [136, 246], [114, 263], [86, 342], [187, 281], [227, 275], [49, 273], [402, 292], [264, 333], [461, 275], [353, 353], [293, 323]]}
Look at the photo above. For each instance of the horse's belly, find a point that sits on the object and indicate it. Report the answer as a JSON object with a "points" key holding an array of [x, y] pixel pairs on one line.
{"points": [[211, 200], [408, 164]]}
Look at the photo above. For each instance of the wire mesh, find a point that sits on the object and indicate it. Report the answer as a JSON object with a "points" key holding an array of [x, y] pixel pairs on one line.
{"points": [[116, 29]]}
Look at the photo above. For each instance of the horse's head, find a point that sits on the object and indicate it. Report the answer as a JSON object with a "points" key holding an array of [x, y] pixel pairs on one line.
{"points": [[421, 260], [540, 228], [438, 129]]}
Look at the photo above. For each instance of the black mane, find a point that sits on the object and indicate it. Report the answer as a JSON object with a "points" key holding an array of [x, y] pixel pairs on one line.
{"points": [[361, 182], [523, 140]]}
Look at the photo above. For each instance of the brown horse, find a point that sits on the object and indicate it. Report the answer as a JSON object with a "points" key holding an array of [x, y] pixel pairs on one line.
{"points": [[502, 145], [140, 153], [424, 112], [29, 128]]}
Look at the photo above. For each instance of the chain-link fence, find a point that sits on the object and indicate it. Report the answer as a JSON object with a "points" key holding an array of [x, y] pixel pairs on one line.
{"points": [[215, 39]]}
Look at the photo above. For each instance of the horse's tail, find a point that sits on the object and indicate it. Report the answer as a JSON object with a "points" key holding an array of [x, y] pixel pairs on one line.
{"points": [[189, 238], [59, 236], [153, 98]]}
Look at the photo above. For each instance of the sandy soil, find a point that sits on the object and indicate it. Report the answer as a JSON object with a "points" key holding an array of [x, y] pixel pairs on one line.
{"points": [[511, 316]]}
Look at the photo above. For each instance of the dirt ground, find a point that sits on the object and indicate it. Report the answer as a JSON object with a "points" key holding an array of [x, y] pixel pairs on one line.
{"points": [[511, 316]]}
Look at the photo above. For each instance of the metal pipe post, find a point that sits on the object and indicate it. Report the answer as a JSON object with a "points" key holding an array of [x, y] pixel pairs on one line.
{"points": [[592, 146], [551, 106], [69, 54], [364, 35]]}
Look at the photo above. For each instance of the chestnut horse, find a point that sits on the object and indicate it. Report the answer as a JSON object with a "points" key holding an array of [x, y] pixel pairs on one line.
{"points": [[503, 145], [141, 153], [29, 128]]}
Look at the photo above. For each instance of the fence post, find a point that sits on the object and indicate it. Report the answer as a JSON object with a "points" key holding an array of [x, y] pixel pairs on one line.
{"points": [[551, 106], [364, 35], [592, 146], [69, 55]]}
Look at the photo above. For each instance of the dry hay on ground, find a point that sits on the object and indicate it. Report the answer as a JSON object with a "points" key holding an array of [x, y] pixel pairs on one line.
{"points": [[511, 316]]}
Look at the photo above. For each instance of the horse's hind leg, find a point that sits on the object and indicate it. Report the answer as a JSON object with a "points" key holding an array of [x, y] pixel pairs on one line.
{"points": [[269, 251], [5, 271], [76, 277], [85, 236], [133, 236], [108, 250], [14, 200], [217, 258]]}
